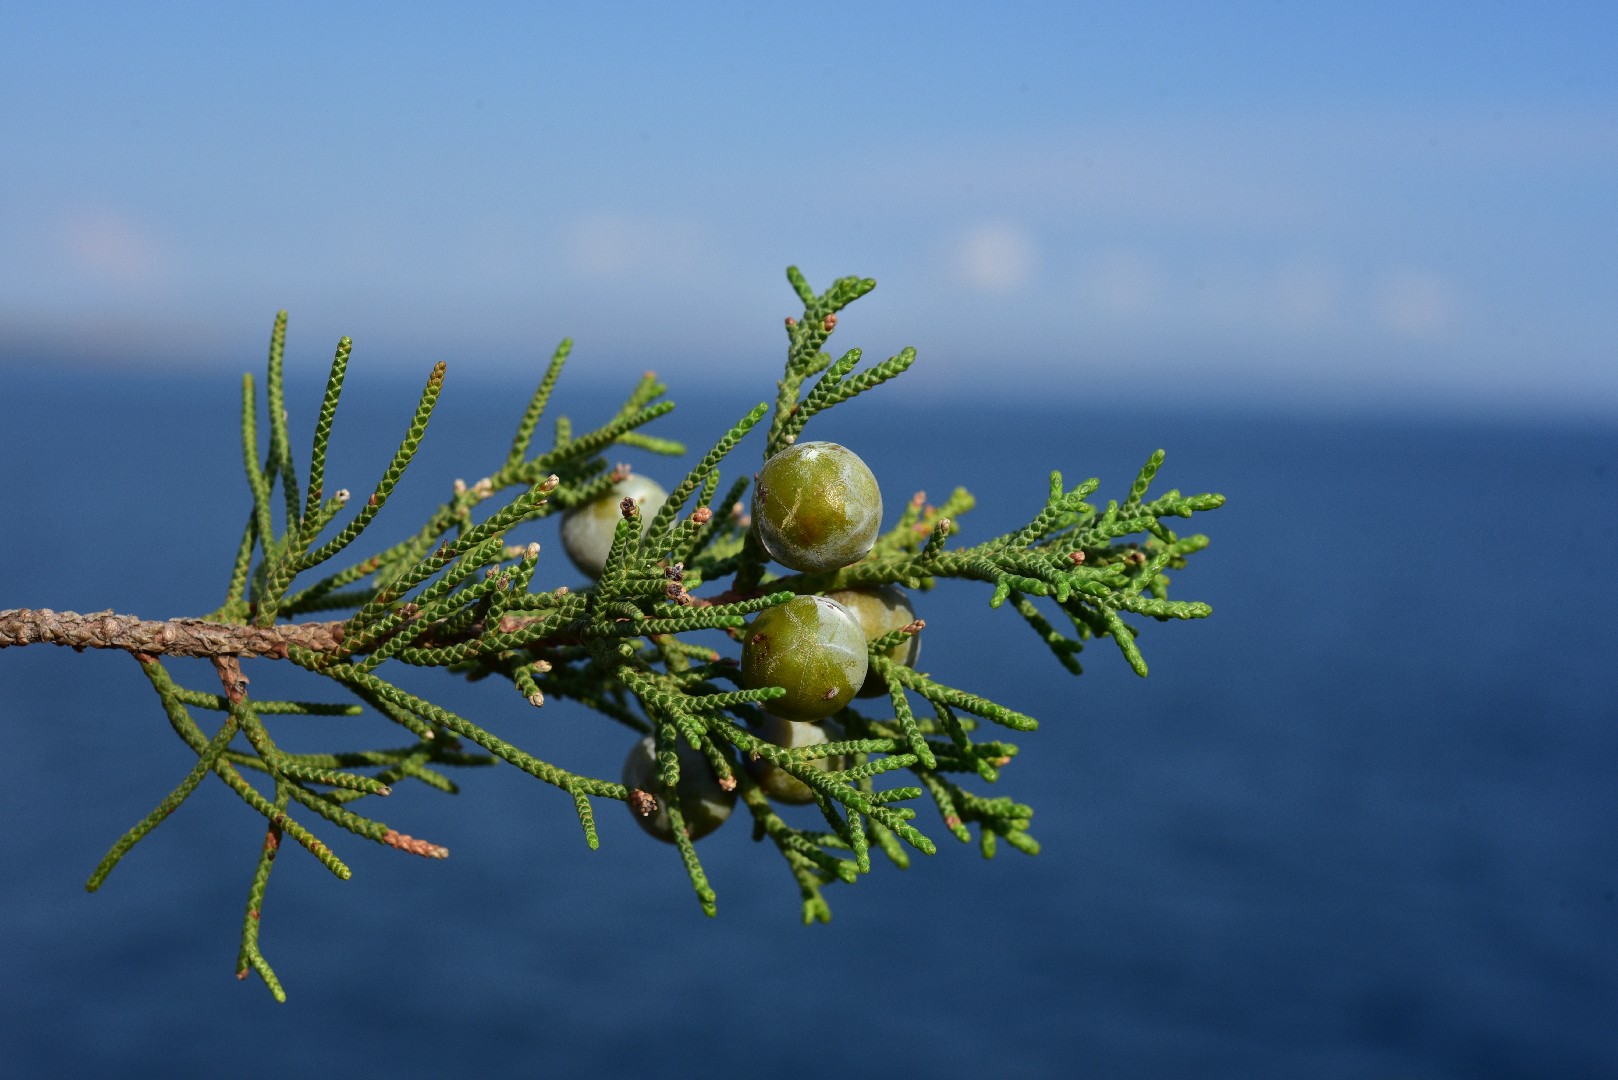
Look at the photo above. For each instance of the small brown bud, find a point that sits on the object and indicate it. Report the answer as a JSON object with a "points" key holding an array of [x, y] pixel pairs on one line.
{"points": [[830, 322], [702, 515]]}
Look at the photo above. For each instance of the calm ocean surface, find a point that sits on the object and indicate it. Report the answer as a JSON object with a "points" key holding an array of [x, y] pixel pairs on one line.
{"points": [[1363, 822]]}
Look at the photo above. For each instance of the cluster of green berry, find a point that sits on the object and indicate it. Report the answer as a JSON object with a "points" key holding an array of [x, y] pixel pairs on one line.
{"points": [[816, 507]]}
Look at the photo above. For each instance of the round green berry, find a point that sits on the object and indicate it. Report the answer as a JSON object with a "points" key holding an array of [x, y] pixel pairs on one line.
{"points": [[882, 610], [781, 785], [703, 803], [816, 507], [587, 530], [814, 648]]}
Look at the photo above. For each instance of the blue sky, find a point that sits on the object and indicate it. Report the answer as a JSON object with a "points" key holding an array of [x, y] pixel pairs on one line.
{"points": [[1325, 206]]}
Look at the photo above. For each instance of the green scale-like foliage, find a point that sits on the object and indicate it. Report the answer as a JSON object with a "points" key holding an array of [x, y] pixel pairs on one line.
{"points": [[455, 594]]}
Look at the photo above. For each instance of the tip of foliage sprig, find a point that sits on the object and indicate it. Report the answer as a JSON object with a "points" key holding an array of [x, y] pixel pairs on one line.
{"points": [[415, 847]]}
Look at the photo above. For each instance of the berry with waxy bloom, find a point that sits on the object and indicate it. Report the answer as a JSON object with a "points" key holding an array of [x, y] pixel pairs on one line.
{"points": [[813, 647], [881, 610], [703, 803], [779, 784], [587, 530], [816, 507]]}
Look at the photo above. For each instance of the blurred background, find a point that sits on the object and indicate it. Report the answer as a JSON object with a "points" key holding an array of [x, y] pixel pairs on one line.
{"points": [[1376, 203], [1355, 267]]}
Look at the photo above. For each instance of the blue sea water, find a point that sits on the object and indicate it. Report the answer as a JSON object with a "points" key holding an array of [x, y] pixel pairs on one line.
{"points": [[1363, 822]]}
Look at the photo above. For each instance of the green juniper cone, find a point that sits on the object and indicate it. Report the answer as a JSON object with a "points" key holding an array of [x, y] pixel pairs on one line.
{"points": [[648, 648], [813, 647], [881, 610], [778, 783], [816, 506], [587, 530], [704, 802]]}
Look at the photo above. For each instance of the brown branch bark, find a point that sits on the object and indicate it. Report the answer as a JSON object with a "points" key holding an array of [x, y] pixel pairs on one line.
{"points": [[196, 637], [174, 637]]}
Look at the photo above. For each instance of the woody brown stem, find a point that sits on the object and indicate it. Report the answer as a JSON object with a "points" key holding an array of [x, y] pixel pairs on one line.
{"points": [[174, 637], [196, 637]]}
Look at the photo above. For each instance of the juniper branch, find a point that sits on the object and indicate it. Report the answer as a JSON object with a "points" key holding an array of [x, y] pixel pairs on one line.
{"points": [[459, 593]]}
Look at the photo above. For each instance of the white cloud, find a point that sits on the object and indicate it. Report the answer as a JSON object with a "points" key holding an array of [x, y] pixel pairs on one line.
{"points": [[108, 246], [1417, 304], [616, 246], [994, 257]]}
